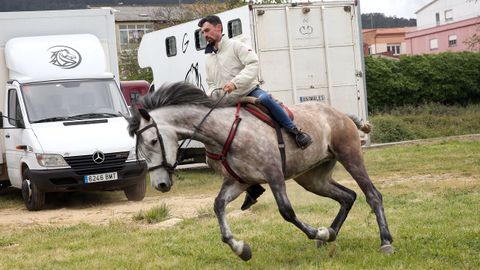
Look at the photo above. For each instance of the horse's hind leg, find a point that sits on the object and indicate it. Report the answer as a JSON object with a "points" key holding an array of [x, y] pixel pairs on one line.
{"points": [[277, 185], [352, 159], [319, 181], [229, 192]]}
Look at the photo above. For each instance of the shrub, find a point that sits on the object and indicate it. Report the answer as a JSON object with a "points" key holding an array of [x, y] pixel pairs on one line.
{"points": [[153, 215], [445, 78], [426, 121], [390, 129]]}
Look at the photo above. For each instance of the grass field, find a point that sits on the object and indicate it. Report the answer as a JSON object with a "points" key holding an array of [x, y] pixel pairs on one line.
{"points": [[426, 121], [431, 197]]}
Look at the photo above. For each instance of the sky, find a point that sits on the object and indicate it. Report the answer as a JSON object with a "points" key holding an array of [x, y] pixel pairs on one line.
{"points": [[399, 8]]}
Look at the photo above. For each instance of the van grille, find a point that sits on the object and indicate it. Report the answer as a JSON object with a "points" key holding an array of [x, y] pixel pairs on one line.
{"points": [[84, 165]]}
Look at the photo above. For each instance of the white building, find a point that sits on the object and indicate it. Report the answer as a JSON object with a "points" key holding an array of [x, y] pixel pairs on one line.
{"points": [[440, 12], [445, 25]]}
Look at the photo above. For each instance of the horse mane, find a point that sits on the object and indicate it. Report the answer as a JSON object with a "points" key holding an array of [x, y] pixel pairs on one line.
{"points": [[180, 93], [175, 94]]}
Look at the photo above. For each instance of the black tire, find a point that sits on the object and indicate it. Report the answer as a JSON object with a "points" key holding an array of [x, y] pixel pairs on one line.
{"points": [[33, 197], [136, 192], [4, 185]]}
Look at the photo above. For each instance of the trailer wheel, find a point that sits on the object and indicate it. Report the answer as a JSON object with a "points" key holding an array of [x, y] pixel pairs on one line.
{"points": [[136, 192], [33, 198]]}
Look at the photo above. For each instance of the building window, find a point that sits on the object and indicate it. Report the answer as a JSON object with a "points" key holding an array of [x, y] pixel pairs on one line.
{"points": [[131, 34], [234, 28], [171, 46], [437, 18], [135, 97], [200, 41], [452, 41], [393, 48], [433, 44], [448, 15]]}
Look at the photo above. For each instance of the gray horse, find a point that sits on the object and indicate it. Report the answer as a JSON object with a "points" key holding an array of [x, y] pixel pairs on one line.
{"points": [[173, 112]]}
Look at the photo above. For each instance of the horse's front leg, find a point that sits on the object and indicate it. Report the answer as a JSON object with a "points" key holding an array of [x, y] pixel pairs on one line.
{"points": [[229, 192], [280, 193]]}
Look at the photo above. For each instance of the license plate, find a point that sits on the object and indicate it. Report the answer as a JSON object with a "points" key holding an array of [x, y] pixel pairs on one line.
{"points": [[102, 177]]}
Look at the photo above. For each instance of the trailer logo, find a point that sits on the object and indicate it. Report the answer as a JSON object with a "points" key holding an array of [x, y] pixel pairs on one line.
{"points": [[98, 157], [194, 76], [306, 30], [185, 42], [312, 98], [64, 57]]}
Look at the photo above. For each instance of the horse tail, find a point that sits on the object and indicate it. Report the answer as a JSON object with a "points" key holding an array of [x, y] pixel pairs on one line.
{"points": [[365, 127]]}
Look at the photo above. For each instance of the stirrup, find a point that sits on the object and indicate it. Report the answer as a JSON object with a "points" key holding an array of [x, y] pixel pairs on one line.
{"points": [[308, 142]]}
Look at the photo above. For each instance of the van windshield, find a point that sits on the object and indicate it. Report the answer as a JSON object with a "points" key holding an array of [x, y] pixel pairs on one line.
{"points": [[73, 100]]}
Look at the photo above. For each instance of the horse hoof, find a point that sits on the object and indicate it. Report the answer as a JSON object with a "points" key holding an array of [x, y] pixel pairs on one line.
{"points": [[320, 243], [332, 235], [326, 234], [387, 249], [246, 252]]}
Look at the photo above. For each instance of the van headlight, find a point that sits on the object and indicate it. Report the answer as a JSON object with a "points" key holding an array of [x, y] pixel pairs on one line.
{"points": [[51, 160]]}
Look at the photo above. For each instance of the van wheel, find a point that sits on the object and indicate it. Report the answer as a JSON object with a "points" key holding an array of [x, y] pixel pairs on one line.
{"points": [[33, 198], [136, 192]]}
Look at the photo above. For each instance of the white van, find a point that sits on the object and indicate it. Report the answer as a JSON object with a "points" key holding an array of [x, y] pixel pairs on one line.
{"points": [[61, 108], [307, 51]]}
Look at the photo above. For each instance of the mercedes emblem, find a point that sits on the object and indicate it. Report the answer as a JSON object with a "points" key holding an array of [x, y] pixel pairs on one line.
{"points": [[98, 157]]}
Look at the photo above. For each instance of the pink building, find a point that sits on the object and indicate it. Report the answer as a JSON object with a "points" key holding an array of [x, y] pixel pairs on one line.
{"points": [[444, 25]]}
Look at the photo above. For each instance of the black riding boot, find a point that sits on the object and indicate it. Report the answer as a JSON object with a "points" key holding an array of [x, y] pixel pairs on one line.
{"points": [[302, 139], [253, 192]]}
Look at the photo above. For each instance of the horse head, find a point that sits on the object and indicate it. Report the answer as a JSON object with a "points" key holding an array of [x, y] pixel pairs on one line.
{"points": [[64, 57], [157, 144]]}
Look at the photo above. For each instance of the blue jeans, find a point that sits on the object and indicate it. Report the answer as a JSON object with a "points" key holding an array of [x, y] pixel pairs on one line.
{"points": [[277, 112]]}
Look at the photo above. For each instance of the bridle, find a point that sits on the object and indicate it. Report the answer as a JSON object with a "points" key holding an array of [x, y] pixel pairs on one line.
{"points": [[165, 164], [170, 168]]}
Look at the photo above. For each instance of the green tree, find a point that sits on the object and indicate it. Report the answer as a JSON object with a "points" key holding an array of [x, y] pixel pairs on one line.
{"points": [[129, 68]]}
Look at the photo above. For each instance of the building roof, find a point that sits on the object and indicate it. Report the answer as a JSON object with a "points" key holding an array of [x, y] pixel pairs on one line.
{"points": [[442, 28], [390, 31], [149, 13], [425, 6]]}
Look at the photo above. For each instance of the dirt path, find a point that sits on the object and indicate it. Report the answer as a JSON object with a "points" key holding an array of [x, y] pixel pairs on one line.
{"points": [[180, 208], [96, 212]]}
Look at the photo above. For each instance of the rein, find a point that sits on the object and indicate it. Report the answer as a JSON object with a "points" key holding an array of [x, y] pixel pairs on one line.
{"points": [[170, 168], [197, 128]]}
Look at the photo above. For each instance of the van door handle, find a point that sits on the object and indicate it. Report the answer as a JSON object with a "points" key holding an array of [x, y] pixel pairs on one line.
{"points": [[7, 136]]}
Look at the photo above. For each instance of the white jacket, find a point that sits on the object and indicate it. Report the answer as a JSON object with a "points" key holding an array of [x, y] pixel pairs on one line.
{"points": [[233, 62]]}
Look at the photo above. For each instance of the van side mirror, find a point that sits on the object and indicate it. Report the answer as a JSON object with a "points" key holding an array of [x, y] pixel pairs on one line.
{"points": [[19, 123], [1, 120]]}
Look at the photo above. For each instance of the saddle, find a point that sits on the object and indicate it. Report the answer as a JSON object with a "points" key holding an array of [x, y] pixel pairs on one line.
{"points": [[252, 105]]}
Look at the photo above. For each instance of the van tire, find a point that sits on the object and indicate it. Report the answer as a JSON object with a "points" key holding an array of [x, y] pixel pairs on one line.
{"points": [[33, 197], [136, 192]]}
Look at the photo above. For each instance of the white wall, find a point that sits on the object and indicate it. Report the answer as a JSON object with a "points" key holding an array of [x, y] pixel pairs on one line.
{"points": [[461, 10]]}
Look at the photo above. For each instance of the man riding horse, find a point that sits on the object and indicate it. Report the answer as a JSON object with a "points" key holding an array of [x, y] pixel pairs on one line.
{"points": [[233, 67]]}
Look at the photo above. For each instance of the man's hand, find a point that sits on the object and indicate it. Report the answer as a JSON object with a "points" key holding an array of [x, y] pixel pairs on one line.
{"points": [[229, 87]]}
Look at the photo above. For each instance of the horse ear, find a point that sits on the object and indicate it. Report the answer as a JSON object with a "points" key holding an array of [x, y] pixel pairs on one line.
{"points": [[144, 114]]}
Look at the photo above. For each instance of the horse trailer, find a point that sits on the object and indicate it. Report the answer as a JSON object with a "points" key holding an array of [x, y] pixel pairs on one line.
{"points": [[307, 52], [61, 122]]}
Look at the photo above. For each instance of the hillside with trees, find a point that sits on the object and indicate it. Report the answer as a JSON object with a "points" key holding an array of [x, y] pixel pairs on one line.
{"points": [[379, 20], [26, 5]]}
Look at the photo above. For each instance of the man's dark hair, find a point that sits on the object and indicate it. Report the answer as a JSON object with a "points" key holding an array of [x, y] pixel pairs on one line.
{"points": [[213, 19]]}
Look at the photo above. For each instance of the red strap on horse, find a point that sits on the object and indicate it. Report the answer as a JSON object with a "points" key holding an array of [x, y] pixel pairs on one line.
{"points": [[223, 156], [261, 116]]}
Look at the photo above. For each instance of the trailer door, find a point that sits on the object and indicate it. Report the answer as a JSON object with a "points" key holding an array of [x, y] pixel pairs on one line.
{"points": [[311, 52]]}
